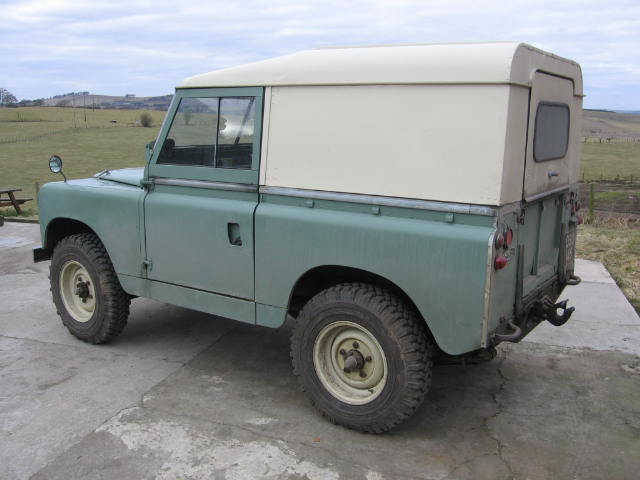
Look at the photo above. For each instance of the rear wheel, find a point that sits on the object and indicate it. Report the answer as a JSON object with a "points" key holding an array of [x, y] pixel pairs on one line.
{"points": [[86, 290], [362, 356]]}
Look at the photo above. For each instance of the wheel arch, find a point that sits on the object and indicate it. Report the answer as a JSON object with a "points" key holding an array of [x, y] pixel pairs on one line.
{"points": [[319, 278], [61, 227]]}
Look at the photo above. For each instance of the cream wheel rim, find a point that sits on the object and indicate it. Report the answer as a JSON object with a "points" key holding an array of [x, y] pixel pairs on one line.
{"points": [[350, 362], [78, 291]]}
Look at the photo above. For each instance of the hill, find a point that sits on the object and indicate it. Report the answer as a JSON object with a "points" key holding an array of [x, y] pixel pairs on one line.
{"points": [[610, 125], [87, 100]]}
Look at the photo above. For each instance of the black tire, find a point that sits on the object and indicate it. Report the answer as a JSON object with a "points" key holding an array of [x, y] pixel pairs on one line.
{"points": [[398, 332], [110, 302]]}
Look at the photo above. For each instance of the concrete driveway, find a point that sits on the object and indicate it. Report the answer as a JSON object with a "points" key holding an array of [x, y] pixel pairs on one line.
{"points": [[181, 395]]}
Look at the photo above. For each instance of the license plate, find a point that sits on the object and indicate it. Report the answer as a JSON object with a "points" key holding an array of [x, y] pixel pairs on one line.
{"points": [[571, 250]]}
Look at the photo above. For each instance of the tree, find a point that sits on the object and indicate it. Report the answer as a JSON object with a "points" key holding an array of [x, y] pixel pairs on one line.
{"points": [[146, 120], [6, 97]]}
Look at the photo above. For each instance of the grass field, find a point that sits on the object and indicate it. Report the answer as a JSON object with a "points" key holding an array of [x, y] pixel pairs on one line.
{"points": [[611, 161], [617, 246], [29, 136], [91, 140]]}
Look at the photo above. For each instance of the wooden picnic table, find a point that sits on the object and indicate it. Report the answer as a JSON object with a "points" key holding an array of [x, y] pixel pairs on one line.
{"points": [[12, 200]]}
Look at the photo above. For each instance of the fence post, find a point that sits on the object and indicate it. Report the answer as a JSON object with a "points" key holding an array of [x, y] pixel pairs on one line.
{"points": [[37, 190], [591, 203]]}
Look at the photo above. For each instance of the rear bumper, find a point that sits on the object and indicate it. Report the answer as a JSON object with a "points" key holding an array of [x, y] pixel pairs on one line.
{"points": [[536, 307]]}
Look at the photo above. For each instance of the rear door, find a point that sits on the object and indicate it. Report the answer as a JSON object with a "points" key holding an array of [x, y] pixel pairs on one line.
{"points": [[551, 166], [550, 161]]}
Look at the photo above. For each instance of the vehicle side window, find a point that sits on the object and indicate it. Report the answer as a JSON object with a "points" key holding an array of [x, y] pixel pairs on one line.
{"points": [[192, 137], [212, 132], [235, 133], [551, 136]]}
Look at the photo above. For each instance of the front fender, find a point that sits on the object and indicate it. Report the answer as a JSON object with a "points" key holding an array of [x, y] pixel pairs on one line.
{"points": [[111, 210]]}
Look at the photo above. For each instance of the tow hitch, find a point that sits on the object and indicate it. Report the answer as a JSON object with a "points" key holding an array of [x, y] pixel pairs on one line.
{"points": [[549, 311]]}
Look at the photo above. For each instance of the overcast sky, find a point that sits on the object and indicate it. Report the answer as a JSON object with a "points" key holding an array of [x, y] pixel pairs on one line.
{"points": [[50, 47]]}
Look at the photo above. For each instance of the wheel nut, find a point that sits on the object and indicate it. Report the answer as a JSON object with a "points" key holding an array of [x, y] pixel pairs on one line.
{"points": [[367, 358], [362, 374], [356, 345], [342, 352]]}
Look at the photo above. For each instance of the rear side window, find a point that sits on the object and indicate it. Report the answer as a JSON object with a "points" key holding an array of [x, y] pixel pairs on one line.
{"points": [[551, 136]]}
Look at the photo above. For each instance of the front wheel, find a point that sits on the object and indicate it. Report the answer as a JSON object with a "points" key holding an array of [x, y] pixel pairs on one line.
{"points": [[86, 290], [362, 356]]}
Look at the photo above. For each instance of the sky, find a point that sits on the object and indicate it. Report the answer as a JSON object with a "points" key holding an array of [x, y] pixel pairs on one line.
{"points": [[143, 47]]}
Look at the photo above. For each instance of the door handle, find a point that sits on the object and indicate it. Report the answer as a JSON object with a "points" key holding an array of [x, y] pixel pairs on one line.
{"points": [[233, 230]]}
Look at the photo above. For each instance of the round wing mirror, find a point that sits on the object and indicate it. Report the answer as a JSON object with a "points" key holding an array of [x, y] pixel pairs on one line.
{"points": [[55, 164]]}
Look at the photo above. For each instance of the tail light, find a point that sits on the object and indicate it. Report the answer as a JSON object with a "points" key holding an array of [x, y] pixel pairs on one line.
{"points": [[508, 238], [500, 262], [503, 241], [575, 206]]}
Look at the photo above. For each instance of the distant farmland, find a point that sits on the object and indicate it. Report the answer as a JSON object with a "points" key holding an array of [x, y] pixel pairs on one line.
{"points": [[87, 140], [91, 140]]}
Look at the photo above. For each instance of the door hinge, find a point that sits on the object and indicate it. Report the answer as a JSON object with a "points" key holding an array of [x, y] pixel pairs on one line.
{"points": [[147, 184], [147, 265]]}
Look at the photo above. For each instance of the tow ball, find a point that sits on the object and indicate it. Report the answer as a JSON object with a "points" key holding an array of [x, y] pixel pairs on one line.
{"points": [[550, 311]]}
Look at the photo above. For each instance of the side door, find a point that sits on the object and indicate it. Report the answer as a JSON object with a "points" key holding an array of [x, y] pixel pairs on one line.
{"points": [[203, 190]]}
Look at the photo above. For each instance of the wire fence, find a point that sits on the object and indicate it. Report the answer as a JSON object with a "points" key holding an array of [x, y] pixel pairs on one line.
{"points": [[617, 197], [611, 139]]}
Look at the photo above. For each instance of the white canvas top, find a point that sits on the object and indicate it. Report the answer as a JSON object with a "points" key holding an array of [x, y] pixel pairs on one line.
{"points": [[452, 63]]}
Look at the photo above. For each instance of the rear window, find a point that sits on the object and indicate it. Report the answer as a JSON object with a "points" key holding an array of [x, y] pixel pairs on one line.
{"points": [[551, 136]]}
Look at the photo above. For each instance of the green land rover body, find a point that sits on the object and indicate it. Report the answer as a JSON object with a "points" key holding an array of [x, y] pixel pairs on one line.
{"points": [[395, 201]]}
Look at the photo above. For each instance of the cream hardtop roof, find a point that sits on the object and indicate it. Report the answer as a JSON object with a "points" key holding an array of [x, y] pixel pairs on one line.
{"points": [[447, 63]]}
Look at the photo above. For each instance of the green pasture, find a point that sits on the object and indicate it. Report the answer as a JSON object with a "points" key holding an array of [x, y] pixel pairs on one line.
{"points": [[88, 141], [611, 161], [91, 140]]}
